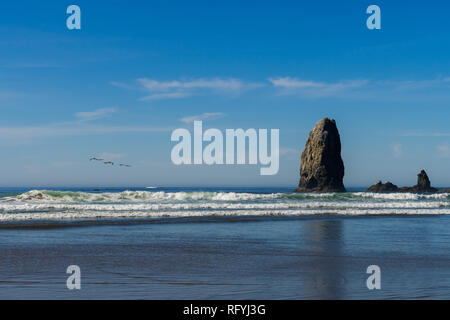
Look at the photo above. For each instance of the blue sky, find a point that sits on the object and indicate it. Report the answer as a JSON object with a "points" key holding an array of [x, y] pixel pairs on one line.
{"points": [[138, 70]]}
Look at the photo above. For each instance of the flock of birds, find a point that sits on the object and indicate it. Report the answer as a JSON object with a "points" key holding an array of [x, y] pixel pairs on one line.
{"points": [[108, 162]]}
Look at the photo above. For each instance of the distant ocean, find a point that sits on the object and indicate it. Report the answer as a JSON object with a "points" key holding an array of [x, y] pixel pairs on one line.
{"points": [[222, 243]]}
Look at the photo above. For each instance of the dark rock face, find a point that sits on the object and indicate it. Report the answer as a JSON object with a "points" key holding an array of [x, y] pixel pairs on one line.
{"points": [[423, 184], [322, 168], [383, 187]]}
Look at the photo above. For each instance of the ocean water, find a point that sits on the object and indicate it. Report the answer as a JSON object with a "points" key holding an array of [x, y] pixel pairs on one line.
{"points": [[222, 243], [120, 203]]}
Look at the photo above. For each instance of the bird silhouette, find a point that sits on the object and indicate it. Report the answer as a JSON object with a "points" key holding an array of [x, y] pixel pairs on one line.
{"points": [[109, 162]]}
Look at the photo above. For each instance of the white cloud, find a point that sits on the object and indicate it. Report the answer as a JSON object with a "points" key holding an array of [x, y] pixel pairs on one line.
{"points": [[94, 115], [288, 82], [352, 88], [397, 149], [177, 89], [203, 116], [361, 88], [168, 95], [314, 88], [222, 84], [289, 151], [444, 150]]}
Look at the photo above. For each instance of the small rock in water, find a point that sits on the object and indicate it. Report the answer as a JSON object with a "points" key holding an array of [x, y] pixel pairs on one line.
{"points": [[383, 187]]}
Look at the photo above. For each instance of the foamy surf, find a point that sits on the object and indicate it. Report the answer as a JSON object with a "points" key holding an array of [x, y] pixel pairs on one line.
{"points": [[157, 196], [58, 205], [133, 196]]}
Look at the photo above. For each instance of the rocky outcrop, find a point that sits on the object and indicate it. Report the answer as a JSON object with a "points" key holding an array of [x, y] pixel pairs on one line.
{"points": [[321, 165], [383, 187], [444, 191], [423, 184]]}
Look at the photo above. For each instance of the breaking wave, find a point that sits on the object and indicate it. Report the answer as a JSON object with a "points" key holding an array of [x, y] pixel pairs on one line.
{"points": [[56, 205], [148, 196]]}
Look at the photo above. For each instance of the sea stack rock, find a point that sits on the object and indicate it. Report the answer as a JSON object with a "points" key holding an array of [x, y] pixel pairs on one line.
{"points": [[383, 187], [321, 165], [423, 184]]}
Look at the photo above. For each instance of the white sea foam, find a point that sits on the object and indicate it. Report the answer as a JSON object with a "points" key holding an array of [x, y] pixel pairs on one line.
{"points": [[402, 196], [125, 196], [40, 207], [224, 213], [44, 196], [44, 205]]}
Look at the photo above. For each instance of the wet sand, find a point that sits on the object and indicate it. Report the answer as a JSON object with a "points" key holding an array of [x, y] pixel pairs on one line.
{"points": [[321, 257]]}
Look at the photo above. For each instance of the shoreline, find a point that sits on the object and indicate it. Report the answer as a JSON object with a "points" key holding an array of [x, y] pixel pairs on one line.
{"points": [[322, 258], [43, 225]]}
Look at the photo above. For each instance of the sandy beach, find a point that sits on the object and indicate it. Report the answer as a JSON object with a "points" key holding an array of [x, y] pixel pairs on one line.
{"points": [[320, 257]]}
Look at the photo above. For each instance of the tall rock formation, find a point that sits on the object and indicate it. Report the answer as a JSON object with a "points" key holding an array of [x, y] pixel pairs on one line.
{"points": [[423, 184], [321, 165]]}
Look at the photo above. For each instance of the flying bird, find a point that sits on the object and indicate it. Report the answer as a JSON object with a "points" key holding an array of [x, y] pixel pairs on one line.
{"points": [[124, 165], [96, 159], [109, 162]]}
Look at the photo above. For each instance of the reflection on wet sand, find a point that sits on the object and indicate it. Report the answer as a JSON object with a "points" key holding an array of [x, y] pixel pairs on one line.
{"points": [[325, 280]]}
